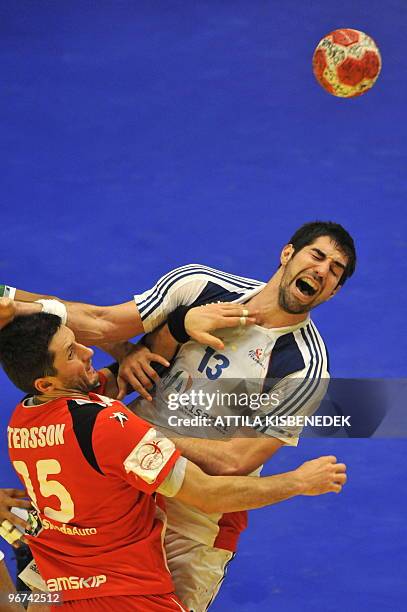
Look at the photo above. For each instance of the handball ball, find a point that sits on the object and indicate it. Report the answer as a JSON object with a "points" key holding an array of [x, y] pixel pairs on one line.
{"points": [[346, 63]]}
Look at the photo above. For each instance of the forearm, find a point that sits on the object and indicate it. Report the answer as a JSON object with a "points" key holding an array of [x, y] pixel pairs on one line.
{"points": [[210, 455], [231, 494], [93, 325], [235, 493], [237, 456], [28, 296], [118, 350], [162, 342]]}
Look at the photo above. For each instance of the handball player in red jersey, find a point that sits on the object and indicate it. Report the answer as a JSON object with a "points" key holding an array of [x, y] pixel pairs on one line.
{"points": [[91, 468]]}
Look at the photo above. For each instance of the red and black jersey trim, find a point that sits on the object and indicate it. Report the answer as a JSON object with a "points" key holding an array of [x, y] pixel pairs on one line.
{"points": [[83, 419]]}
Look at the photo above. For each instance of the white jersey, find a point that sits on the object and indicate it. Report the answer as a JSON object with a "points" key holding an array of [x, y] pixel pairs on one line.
{"points": [[287, 367], [261, 377]]}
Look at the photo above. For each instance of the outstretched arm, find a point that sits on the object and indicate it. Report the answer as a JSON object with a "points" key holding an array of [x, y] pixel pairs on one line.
{"points": [[232, 494], [98, 325]]}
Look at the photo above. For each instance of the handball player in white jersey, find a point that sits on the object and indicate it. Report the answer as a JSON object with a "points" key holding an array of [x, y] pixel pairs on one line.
{"points": [[283, 355]]}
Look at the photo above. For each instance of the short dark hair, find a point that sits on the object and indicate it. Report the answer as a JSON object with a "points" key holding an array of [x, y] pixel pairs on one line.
{"points": [[309, 232], [24, 349]]}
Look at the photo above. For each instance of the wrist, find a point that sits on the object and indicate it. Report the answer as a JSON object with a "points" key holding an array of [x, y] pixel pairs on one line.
{"points": [[176, 324], [297, 482], [26, 308]]}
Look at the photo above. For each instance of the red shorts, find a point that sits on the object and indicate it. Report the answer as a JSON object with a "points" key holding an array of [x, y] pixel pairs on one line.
{"points": [[124, 603]]}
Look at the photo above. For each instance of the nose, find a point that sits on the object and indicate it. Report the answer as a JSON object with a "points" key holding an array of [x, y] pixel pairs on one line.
{"points": [[85, 352], [322, 268]]}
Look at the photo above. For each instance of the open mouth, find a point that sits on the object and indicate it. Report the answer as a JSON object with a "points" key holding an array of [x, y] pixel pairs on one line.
{"points": [[307, 286]]}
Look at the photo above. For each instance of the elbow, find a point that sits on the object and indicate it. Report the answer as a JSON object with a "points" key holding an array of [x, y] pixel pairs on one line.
{"points": [[224, 466], [233, 465]]}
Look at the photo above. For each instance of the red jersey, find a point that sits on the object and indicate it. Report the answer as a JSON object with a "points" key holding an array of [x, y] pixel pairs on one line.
{"points": [[91, 468]]}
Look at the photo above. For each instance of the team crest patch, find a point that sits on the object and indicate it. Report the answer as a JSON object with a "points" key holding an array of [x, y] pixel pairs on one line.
{"points": [[150, 456], [257, 355]]}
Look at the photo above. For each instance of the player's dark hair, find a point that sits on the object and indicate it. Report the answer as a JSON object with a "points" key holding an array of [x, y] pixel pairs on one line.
{"points": [[309, 232], [24, 349]]}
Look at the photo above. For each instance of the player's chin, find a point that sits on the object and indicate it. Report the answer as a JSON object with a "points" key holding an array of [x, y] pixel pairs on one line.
{"points": [[292, 305], [93, 380]]}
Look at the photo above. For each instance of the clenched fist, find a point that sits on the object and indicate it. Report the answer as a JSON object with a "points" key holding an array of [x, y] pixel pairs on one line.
{"points": [[323, 475]]}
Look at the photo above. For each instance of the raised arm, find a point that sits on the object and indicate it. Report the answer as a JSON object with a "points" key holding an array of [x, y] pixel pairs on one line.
{"points": [[98, 325]]}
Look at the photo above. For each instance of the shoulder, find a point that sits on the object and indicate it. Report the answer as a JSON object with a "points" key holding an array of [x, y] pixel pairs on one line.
{"points": [[301, 351], [195, 284]]}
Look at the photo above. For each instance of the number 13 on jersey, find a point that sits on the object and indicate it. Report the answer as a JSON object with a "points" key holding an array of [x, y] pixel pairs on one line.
{"points": [[218, 364]]}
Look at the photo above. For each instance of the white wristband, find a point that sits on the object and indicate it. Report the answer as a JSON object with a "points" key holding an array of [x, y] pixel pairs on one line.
{"points": [[54, 307], [7, 291], [1, 555]]}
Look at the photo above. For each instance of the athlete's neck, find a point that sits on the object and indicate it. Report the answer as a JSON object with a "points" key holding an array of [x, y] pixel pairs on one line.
{"points": [[57, 394], [270, 312]]}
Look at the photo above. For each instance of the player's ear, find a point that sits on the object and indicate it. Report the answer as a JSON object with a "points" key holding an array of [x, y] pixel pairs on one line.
{"points": [[44, 385], [286, 254]]}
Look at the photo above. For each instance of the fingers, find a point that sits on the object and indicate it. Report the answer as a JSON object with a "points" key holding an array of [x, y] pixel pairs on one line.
{"points": [[340, 467], [14, 493], [236, 321], [328, 459], [15, 520], [158, 359], [237, 310], [212, 341], [340, 479], [134, 382], [22, 503], [122, 385]]}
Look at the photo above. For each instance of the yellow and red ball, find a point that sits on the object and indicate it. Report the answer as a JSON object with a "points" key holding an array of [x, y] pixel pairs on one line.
{"points": [[346, 63]]}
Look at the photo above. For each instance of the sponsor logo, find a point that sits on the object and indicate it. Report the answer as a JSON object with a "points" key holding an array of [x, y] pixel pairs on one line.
{"points": [[120, 417], [74, 583], [69, 529]]}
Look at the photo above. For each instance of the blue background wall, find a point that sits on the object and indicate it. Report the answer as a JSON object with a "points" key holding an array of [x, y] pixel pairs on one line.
{"points": [[138, 136]]}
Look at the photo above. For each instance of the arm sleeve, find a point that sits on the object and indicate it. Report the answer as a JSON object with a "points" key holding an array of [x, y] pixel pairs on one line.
{"points": [[179, 287], [294, 397], [127, 447], [189, 285]]}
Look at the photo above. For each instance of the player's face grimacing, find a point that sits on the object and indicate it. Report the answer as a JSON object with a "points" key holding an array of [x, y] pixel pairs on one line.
{"points": [[73, 362], [311, 275]]}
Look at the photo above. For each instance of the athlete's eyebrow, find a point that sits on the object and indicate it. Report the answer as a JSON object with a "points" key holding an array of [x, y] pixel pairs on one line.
{"points": [[323, 255]]}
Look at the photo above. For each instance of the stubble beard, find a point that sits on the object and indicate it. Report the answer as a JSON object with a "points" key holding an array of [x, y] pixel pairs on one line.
{"points": [[289, 303]]}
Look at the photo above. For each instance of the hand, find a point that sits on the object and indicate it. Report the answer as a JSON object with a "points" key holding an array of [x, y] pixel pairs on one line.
{"points": [[201, 320], [136, 371], [7, 311], [323, 475], [8, 499]]}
